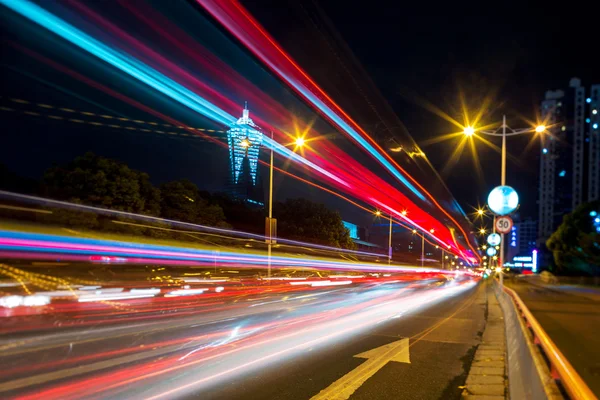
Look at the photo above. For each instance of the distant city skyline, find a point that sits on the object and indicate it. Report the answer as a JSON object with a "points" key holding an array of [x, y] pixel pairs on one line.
{"points": [[570, 156]]}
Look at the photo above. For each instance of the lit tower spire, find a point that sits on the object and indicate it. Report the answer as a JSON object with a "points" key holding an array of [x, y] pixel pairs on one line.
{"points": [[244, 139]]}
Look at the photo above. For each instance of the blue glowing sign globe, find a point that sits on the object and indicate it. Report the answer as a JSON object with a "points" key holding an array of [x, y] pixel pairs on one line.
{"points": [[491, 251], [494, 239], [503, 200]]}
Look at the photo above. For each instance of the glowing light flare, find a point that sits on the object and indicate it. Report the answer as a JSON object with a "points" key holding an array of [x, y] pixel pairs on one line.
{"points": [[71, 245], [243, 26], [146, 74], [469, 131], [270, 143], [119, 60], [261, 351], [186, 292], [142, 72]]}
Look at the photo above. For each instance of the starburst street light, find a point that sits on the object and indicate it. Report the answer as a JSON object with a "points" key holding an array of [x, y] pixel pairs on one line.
{"points": [[480, 212], [503, 131], [482, 231], [245, 143], [469, 131]]}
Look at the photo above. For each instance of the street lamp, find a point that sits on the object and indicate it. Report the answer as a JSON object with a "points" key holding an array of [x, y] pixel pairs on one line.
{"points": [[502, 132], [470, 131], [246, 143], [414, 231], [378, 213], [540, 129]]}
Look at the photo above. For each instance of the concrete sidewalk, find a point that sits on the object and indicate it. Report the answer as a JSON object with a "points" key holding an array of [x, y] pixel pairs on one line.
{"points": [[487, 376]]}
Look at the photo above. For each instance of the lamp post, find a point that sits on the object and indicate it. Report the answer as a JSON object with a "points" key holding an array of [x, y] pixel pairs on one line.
{"points": [[269, 226], [270, 244], [502, 132], [415, 232], [378, 213]]}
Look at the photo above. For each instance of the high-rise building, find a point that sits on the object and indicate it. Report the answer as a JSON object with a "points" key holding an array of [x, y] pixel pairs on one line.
{"points": [[570, 156], [244, 139]]}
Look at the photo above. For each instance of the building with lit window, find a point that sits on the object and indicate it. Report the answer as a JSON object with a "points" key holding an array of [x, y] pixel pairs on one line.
{"points": [[570, 156], [244, 140], [522, 237]]}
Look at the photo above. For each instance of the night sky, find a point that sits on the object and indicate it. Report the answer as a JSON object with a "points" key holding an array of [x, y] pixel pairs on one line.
{"points": [[384, 66], [420, 60]]}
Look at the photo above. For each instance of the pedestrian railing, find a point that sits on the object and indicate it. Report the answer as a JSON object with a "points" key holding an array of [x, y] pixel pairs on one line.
{"points": [[560, 368]]}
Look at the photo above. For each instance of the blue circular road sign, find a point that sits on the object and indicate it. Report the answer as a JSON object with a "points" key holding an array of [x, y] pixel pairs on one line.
{"points": [[493, 239], [503, 200]]}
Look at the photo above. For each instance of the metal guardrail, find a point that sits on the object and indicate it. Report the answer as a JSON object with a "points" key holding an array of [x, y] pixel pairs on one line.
{"points": [[560, 368]]}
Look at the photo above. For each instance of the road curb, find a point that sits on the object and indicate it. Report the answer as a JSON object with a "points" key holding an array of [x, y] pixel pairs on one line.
{"points": [[487, 376]]}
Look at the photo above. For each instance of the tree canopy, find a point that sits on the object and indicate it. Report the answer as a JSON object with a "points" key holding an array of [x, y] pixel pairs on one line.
{"points": [[181, 201], [98, 181], [302, 219], [576, 244], [102, 182]]}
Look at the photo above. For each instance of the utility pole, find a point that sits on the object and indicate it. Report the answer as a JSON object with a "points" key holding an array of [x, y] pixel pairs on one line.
{"points": [[390, 243], [270, 219], [422, 250]]}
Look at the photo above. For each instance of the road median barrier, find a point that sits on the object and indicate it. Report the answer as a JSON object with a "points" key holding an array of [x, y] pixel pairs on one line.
{"points": [[537, 369]]}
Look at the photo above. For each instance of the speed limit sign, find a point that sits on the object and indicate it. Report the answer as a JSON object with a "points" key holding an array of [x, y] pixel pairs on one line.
{"points": [[503, 224]]}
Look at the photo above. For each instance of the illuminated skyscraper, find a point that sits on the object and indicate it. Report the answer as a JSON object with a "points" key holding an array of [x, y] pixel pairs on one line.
{"points": [[244, 140], [570, 157]]}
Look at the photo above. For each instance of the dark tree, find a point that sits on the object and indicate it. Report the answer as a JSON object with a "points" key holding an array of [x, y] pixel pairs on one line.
{"points": [[576, 244], [302, 219], [239, 214], [181, 201], [98, 181]]}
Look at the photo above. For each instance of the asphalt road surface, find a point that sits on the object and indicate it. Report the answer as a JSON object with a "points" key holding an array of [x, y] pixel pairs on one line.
{"points": [[416, 341], [572, 320]]}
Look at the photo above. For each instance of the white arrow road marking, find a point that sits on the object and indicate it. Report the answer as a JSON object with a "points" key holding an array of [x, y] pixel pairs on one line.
{"points": [[344, 387]]}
